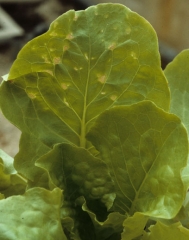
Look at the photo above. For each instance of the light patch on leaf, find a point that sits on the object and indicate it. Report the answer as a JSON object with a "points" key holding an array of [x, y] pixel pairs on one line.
{"points": [[46, 59], [65, 101], [65, 48], [86, 56], [56, 60], [112, 46], [64, 86], [134, 55], [128, 30], [69, 36], [75, 18], [49, 71], [77, 69], [53, 34], [102, 79], [31, 95], [113, 97], [55, 24]]}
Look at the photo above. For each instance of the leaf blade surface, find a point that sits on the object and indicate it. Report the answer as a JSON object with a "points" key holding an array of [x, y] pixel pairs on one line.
{"points": [[34, 214], [87, 62], [139, 144]]}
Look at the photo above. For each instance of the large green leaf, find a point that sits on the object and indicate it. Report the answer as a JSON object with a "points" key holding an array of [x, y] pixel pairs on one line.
{"points": [[177, 73], [34, 215], [145, 149], [87, 62], [167, 232]]}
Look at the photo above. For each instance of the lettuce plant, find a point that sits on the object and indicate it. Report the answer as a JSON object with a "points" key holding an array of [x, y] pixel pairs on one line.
{"points": [[103, 153]]}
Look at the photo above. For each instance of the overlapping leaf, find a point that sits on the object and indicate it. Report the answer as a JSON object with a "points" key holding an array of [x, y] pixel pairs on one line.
{"points": [[134, 226], [104, 229], [79, 173], [7, 163], [11, 183], [139, 144], [87, 62], [34, 215], [167, 232], [30, 150], [177, 73]]}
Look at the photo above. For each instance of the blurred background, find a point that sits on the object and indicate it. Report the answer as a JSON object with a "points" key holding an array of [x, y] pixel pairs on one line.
{"points": [[22, 20]]}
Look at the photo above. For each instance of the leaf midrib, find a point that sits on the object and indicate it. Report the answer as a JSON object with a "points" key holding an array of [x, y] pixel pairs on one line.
{"points": [[83, 119]]}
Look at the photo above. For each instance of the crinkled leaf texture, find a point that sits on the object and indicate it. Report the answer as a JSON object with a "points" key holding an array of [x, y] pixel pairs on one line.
{"points": [[33, 216], [139, 144], [167, 232], [86, 63], [79, 173]]}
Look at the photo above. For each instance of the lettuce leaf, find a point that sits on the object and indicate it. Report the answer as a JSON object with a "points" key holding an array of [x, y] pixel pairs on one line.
{"points": [[134, 226], [139, 144], [177, 74], [34, 215], [79, 173], [112, 226], [11, 182], [166, 232], [86, 63]]}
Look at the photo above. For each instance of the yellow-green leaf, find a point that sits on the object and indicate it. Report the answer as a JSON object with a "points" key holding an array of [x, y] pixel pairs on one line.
{"points": [[145, 149], [86, 63]]}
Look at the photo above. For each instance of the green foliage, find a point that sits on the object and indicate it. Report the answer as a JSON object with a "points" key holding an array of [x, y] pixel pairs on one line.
{"points": [[35, 215], [104, 147], [143, 140]]}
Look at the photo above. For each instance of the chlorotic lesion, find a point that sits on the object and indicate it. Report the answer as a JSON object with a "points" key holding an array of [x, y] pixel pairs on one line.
{"points": [[50, 72], [57, 60], [69, 36], [134, 55], [113, 97], [102, 78], [66, 102], [46, 59], [65, 48], [31, 95], [64, 86], [112, 46]]}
